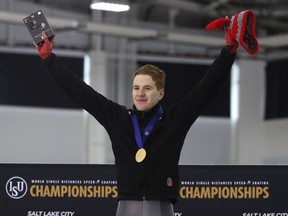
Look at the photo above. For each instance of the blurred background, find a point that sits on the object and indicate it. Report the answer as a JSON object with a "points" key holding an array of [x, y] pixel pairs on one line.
{"points": [[245, 124]]}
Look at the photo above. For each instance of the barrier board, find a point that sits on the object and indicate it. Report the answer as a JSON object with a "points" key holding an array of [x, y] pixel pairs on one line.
{"points": [[91, 190]]}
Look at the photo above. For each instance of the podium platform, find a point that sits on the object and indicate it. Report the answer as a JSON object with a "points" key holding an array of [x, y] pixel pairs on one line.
{"points": [[91, 190]]}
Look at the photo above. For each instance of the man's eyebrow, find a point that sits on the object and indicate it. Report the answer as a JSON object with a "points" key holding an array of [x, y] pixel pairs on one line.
{"points": [[143, 86]]}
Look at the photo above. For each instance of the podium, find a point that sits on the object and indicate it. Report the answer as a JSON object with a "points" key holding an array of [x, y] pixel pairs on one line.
{"points": [[89, 190]]}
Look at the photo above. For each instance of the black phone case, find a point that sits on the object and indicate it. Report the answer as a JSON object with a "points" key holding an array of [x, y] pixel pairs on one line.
{"points": [[36, 23]]}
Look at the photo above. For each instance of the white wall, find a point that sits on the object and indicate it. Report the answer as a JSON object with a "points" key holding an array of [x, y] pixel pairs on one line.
{"points": [[207, 142], [275, 141], [32, 135], [257, 141], [246, 138], [251, 100]]}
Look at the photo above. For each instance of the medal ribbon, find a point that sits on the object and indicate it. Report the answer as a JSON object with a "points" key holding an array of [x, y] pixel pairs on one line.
{"points": [[148, 129]]}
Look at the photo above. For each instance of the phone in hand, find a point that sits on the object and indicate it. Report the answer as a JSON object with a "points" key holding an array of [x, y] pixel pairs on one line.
{"points": [[36, 23]]}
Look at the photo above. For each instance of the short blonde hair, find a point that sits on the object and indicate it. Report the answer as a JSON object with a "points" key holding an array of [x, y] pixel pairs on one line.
{"points": [[158, 75]]}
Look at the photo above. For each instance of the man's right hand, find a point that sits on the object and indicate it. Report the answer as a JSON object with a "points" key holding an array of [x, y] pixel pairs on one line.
{"points": [[45, 49]]}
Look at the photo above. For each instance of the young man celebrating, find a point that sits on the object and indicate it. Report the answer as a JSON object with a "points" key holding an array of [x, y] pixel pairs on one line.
{"points": [[146, 140]]}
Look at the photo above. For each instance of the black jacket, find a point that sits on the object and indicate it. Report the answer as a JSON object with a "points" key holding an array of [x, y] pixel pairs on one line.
{"points": [[156, 178]]}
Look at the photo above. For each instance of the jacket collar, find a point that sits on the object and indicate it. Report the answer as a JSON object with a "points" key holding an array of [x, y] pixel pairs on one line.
{"points": [[147, 113]]}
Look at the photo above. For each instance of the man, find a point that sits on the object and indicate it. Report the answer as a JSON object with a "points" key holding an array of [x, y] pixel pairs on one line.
{"points": [[146, 140]]}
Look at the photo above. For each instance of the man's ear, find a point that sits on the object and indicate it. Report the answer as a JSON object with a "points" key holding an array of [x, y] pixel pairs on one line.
{"points": [[161, 94]]}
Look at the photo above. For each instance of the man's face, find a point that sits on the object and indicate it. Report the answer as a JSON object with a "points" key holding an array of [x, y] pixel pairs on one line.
{"points": [[145, 93]]}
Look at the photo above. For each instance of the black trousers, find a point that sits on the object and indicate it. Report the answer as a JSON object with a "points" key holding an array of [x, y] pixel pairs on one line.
{"points": [[144, 208]]}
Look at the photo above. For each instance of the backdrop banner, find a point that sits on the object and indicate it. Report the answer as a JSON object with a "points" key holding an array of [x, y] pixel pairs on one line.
{"points": [[91, 190]]}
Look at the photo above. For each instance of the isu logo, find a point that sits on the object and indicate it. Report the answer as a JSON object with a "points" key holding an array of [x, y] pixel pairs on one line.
{"points": [[16, 187]]}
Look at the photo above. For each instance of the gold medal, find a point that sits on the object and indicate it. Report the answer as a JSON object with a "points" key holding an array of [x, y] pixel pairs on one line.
{"points": [[140, 155]]}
